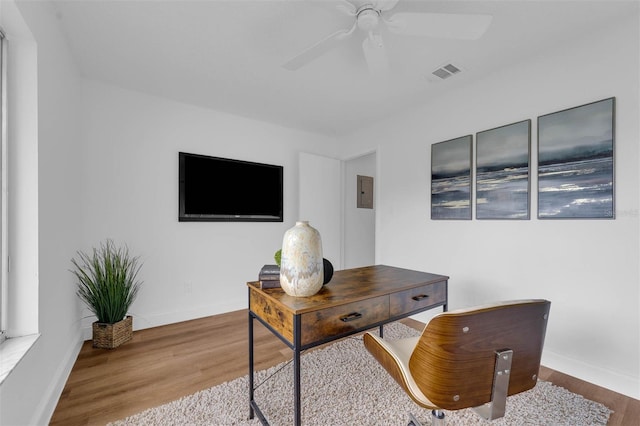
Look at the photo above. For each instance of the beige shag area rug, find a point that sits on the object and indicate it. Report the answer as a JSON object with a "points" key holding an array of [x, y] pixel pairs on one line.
{"points": [[343, 385]]}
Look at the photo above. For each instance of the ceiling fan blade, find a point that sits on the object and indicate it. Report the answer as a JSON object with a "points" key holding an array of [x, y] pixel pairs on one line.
{"points": [[384, 5], [375, 55], [318, 49], [439, 25], [347, 7]]}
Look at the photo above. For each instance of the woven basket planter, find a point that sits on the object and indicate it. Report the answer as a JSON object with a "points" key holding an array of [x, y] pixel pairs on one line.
{"points": [[111, 336]]}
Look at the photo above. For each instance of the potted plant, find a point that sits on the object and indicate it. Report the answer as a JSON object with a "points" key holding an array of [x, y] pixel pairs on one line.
{"points": [[108, 285]]}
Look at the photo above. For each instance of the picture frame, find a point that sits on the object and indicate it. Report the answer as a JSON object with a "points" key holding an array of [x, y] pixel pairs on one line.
{"points": [[576, 167], [503, 174], [451, 179]]}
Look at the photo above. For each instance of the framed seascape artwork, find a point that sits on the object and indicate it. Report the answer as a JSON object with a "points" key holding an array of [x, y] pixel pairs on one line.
{"points": [[502, 172], [451, 179], [576, 162]]}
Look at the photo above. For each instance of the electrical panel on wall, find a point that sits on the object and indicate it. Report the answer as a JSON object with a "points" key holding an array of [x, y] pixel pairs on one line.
{"points": [[365, 192]]}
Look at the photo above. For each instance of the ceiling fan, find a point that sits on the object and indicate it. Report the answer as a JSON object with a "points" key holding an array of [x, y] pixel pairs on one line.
{"points": [[370, 15]]}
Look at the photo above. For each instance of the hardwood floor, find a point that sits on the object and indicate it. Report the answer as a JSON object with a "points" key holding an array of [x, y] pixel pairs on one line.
{"points": [[165, 363]]}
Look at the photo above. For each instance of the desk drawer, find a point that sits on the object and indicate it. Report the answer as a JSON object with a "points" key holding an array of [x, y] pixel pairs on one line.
{"points": [[327, 323], [264, 308], [418, 298]]}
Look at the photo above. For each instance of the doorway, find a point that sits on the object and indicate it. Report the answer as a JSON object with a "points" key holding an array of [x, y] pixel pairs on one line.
{"points": [[359, 222]]}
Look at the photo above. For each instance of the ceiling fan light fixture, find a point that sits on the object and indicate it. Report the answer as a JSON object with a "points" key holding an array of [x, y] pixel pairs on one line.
{"points": [[376, 40]]}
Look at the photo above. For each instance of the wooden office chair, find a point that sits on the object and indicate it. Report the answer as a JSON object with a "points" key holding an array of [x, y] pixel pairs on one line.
{"points": [[468, 358]]}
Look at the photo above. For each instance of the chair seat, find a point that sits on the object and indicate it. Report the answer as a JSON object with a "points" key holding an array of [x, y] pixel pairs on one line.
{"points": [[394, 355]]}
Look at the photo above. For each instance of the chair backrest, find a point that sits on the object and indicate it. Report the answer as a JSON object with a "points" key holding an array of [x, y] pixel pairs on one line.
{"points": [[454, 361]]}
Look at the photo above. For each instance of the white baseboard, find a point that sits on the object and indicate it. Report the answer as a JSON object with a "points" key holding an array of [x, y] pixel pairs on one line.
{"points": [[44, 410], [612, 380]]}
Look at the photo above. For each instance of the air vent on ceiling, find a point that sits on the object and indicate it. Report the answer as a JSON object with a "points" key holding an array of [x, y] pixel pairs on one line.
{"points": [[446, 71]]}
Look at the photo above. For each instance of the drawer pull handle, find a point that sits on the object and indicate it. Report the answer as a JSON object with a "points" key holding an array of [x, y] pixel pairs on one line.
{"points": [[420, 297], [352, 316]]}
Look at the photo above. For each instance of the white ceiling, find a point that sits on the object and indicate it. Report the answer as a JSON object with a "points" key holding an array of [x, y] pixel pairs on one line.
{"points": [[228, 55]]}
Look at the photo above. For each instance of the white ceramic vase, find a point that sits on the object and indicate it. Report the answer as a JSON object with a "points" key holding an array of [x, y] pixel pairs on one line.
{"points": [[301, 267]]}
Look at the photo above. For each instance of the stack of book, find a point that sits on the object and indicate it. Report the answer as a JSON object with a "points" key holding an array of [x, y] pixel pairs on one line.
{"points": [[269, 276]]}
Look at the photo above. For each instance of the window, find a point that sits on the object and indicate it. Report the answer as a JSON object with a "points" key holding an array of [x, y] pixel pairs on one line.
{"points": [[3, 189], [18, 122]]}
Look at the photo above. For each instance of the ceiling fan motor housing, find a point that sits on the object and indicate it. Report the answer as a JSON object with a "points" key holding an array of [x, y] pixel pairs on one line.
{"points": [[368, 18]]}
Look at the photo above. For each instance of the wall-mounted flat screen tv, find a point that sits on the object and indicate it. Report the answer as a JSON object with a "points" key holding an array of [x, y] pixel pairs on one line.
{"points": [[221, 189]]}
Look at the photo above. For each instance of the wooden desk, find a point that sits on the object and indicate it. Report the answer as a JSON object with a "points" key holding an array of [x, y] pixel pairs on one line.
{"points": [[353, 301]]}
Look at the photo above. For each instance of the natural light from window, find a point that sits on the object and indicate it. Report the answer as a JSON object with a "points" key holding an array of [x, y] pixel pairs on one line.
{"points": [[3, 191], [19, 178]]}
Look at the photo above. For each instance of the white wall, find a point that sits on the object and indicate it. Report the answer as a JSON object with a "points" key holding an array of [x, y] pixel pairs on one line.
{"points": [[130, 194], [589, 269], [49, 205], [320, 201], [359, 224]]}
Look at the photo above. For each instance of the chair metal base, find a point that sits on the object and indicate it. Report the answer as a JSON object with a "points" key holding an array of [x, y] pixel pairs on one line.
{"points": [[413, 421], [437, 419]]}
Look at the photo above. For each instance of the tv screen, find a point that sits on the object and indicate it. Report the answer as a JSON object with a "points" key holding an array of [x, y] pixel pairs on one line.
{"points": [[221, 189]]}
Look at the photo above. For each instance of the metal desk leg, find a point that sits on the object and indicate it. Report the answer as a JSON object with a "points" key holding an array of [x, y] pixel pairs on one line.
{"points": [[296, 387], [297, 339], [251, 413]]}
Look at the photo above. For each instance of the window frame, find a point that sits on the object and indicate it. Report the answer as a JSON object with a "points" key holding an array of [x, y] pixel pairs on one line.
{"points": [[4, 291]]}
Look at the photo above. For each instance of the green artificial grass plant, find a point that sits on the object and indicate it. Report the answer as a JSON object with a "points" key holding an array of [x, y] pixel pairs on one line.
{"points": [[107, 281]]}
